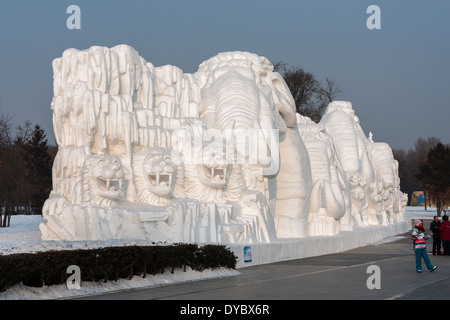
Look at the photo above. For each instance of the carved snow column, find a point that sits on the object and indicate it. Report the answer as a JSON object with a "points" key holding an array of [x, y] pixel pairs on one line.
{"points": [[232, 101], [94, 95], [328, 204], [242, 87], [351, 146], [386, 168], [294, 180]]}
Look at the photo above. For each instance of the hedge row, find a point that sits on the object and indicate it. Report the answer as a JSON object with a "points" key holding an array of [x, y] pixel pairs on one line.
{"points": [[109, 263]]}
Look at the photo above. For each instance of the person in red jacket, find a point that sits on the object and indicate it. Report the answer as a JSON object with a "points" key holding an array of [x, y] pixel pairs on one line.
{"points": [[444, 230]]}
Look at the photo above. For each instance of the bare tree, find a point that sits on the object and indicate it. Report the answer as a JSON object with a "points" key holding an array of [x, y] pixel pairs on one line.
{"points": [[279, 66], [310, 96], [330, 91], [7, 169], [15, 188], [303, 86], [6, 138], [24, 132]]}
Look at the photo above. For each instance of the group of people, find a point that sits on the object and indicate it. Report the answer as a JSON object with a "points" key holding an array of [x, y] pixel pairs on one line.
{"points": [[440, 231]]}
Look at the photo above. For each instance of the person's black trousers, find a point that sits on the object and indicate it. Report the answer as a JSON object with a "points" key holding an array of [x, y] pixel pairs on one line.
{"points": [[446, 246], [436, 244]]}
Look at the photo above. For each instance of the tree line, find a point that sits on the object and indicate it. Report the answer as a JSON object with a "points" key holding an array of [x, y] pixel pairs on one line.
{"points": [[25, 169], [426, 167]]}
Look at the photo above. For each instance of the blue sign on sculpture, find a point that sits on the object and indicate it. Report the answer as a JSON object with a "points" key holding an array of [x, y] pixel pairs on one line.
{"points": [[247, 254]]}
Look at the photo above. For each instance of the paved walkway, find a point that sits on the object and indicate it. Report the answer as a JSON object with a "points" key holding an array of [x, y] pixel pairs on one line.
{"points": [[342, 276]]}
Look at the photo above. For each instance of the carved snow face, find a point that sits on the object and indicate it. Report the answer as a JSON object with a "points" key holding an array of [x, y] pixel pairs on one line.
{"points": [[358, 184], [155, 175], [159, 172], [103, 180], [215, 169]]}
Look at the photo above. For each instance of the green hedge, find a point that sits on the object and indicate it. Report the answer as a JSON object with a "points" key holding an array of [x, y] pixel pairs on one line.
{"points": [[109, 263]]}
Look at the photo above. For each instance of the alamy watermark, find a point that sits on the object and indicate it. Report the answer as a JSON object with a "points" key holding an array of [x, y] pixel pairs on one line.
{"points": [[374, 280], [374, 20], [74, 20], [74, 280]]}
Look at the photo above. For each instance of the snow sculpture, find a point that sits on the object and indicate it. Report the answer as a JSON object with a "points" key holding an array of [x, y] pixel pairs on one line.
{"points": [[157, 178], [112, 104], [102, 179], [293, 187], [386, 167], [352, 148], [370, 167], [243, 87], [328, 203], [359, 202], [218, 156]]}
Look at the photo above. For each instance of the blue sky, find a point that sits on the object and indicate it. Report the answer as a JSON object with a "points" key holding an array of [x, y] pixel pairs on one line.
{"points": [[397, 78]]}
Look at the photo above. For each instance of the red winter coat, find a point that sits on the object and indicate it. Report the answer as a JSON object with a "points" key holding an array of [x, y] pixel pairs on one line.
{"points": [[445, 230]]}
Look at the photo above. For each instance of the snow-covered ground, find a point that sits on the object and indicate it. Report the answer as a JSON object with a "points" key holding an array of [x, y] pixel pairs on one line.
{"points": [[24, 236], [420, 212]]}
